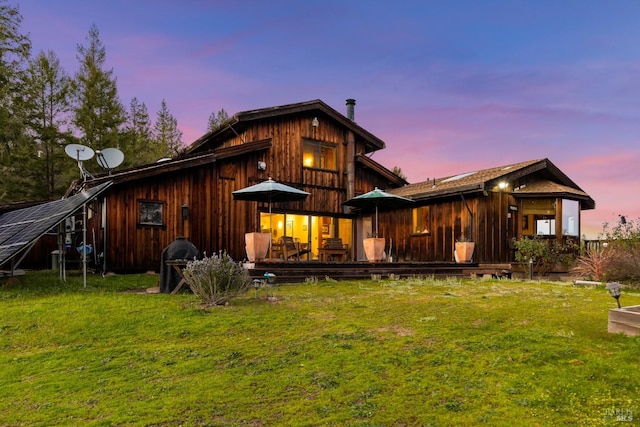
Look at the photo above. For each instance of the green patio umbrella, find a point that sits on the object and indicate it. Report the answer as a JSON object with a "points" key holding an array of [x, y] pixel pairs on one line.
{"points": [[377, 198], [270, 191]]}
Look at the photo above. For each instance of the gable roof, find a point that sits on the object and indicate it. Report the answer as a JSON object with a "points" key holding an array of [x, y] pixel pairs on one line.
{"points": [[236, 124], [551, 180], [367, 162]]}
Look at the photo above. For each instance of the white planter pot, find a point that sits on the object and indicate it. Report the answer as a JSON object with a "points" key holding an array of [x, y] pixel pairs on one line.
{"points": [[464, 251], [374, 248], [257, 245]]}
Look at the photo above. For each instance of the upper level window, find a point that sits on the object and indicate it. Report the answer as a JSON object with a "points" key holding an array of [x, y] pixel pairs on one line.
{"points": [[319, 155]]}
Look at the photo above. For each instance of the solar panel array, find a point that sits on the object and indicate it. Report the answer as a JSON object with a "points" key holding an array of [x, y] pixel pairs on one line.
{"points": [[20, 228]]}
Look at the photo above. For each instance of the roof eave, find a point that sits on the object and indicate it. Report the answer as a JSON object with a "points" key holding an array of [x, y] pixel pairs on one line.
{"points": [[381, 170]]}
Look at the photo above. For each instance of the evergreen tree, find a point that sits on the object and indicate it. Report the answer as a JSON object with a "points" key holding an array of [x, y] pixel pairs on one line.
{"points": [[99, 113], [167, 133], [217, 119], [15, 49], [47, 102], [398, 172], [138, 144]]}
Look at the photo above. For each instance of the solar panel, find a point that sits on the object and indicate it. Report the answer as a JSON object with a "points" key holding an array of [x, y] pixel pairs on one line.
{"points": [[21, 228]]}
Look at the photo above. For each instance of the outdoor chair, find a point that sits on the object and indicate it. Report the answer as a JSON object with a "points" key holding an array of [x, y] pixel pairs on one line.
{"points": [[292, 248], [333, 246]]}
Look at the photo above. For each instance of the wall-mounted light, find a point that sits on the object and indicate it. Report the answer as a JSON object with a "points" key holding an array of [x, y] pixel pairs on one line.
{"points": [[502, 185], [315, 122], [185, 212], [262, 165]]}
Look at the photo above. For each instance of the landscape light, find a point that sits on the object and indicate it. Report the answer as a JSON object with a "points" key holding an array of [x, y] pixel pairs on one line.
{"points": [[614, 291], [256, 285], [270, 278]]}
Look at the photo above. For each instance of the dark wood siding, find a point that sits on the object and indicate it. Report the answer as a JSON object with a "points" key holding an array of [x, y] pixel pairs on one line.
{"points": [[449, 220], [216, 221]]}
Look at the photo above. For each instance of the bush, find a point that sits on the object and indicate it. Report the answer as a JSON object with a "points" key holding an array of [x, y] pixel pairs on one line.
{"points": [[595, 263], [623, 240], [545, 253], [217, 279]]}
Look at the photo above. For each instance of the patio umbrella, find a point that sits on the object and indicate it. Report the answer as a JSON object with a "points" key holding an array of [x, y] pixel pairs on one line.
{"points": [[377, 198], [270, 191]]}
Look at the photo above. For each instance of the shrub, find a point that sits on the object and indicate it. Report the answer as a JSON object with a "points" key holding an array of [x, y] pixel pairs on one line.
{"points": [[545, 253], [623, 240], [536, 249], [217, 279], [595, 263]]}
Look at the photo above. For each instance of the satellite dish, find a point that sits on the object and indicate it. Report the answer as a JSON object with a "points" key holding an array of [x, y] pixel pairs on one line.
{"points": [[110, 158], [79, 152]]}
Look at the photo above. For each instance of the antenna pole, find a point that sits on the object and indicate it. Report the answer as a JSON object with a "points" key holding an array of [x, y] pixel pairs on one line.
{"points": [[84, 245]]}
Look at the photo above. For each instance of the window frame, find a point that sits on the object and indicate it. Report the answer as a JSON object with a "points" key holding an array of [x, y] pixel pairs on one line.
{"points": [[317, 154], [151, 213]]}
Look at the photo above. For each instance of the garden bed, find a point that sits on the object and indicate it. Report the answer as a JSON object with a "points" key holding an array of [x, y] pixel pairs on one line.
{"points": [[625, 320]]}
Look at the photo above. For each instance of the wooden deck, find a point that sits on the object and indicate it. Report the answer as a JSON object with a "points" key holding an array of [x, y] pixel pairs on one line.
{"points": [[294, 271]]}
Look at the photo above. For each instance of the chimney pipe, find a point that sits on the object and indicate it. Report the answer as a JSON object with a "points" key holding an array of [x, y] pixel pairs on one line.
{"points": [[351, 107]]}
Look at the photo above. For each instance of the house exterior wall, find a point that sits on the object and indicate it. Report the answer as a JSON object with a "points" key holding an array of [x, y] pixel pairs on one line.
{"points": [[484, 219], [215, 220]]}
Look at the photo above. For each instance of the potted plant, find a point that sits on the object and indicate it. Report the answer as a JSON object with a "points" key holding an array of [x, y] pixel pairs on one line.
{"points": [[464, 249]]}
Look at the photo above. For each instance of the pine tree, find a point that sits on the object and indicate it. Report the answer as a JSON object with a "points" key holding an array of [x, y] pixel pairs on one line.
{"points": [[47, 103], [217, 119], [398, 172], [167, 133], [138, 143], [15, 49], [99, 113]]}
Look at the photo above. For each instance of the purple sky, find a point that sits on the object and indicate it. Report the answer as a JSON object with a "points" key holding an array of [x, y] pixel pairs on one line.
{"points": [[451, 87]]}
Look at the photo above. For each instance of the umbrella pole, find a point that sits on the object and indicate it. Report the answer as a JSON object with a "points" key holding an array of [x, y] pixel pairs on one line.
{"points": [[270, 230], [376, 220]]}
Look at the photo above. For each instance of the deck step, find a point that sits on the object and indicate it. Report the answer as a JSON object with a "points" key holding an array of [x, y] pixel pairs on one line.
{"points": [[289, 272]]}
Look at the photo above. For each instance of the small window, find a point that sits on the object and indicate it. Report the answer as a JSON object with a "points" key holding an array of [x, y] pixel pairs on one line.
{"points": [[545, 225], [319, 155], [151, 213], [421, 220]]}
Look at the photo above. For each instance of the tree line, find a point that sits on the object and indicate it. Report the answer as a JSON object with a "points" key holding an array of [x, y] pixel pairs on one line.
{"points": [[43, 109]]}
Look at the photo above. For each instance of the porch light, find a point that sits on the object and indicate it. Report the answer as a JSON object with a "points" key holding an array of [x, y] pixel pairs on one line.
{"points": [[315, 123], [614, 291], [503, 185]]}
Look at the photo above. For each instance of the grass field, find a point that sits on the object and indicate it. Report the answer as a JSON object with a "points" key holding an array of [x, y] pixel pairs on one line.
{"points": [[369, 353]]}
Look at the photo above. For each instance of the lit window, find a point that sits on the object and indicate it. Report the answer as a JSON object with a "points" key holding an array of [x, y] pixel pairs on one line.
{"points": [[318, 155], [421, 220]]}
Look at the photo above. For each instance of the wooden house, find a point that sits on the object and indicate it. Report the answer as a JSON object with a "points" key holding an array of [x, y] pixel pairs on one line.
{"points": [[308, 145], [314, 148], [489, 207]]}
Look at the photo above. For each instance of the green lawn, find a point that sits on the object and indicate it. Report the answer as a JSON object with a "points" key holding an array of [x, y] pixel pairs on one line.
{"points": [[375, 353]]}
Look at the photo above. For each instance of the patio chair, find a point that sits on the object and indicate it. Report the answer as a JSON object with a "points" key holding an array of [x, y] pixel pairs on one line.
{"points": [[333, 247], [292, 248]]}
